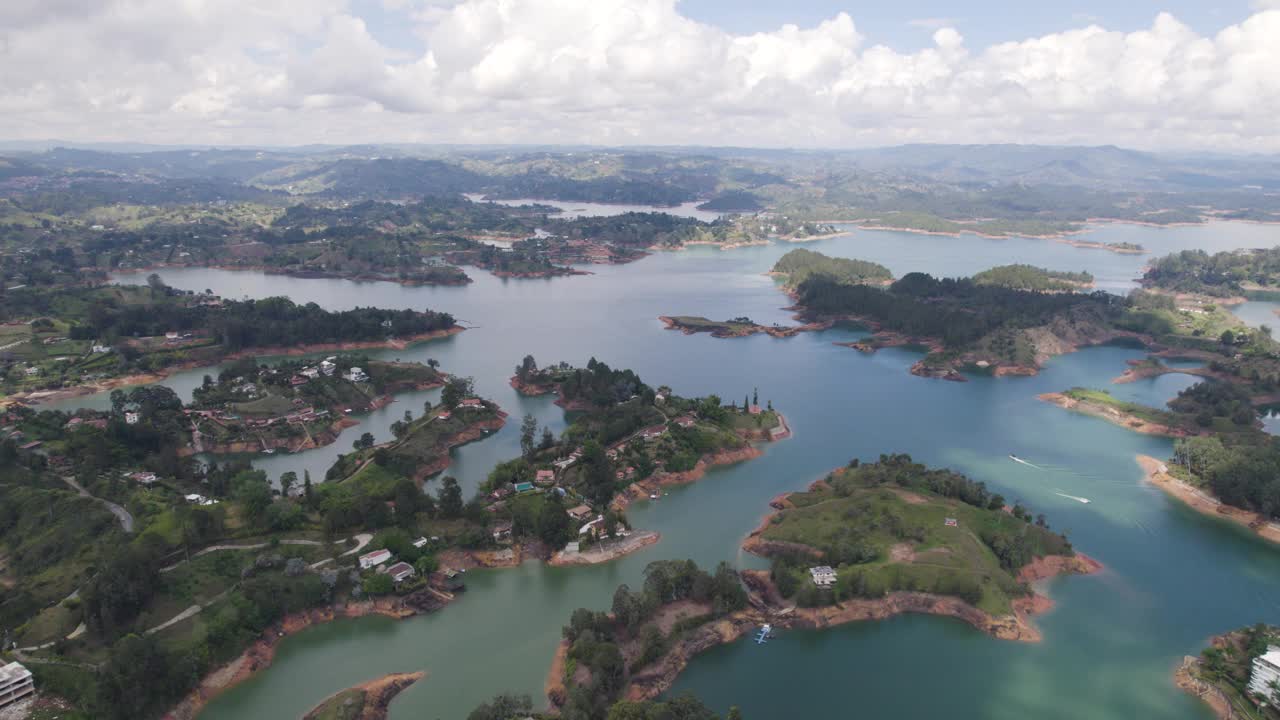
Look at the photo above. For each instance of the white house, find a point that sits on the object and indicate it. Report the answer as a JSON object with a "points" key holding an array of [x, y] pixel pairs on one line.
{"points": [[32, 371], [401, 571], [1266, 673], [195, 499], [356, 374], [327, 367], [101, 348], [374, 559], [310, 373], [131, 418], [16, 683], [823, 575]]}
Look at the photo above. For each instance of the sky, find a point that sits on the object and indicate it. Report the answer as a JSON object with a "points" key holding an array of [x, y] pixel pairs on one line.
{"points": [[1149, 74]]}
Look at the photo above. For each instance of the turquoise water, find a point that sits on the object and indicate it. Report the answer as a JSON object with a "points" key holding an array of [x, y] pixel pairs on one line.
{"points": [[1173, 577]]}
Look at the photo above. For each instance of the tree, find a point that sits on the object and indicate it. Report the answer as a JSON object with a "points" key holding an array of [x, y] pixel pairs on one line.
{"points": [[503, 707], [287, 480], [528, 430], [526, 368], [155, 283], [456, 389], [548, 439], [378, 584], [364, 442], [1228, 337], [250, 489], [450, 498], [306, 486]]}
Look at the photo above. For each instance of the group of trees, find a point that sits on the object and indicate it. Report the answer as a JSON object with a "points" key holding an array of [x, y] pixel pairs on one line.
{"points": [[595, 638], [800, 264], [1240, 473], [1221, 274], [959, 312], [1030, 277], [598, 384]]}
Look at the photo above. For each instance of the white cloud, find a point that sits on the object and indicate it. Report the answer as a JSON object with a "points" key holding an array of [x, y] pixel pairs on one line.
{"points": [[932, 23], [612, 71]]}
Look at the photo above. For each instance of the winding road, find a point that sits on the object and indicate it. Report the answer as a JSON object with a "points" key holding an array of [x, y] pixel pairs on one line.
{"points": [[126, 519]]}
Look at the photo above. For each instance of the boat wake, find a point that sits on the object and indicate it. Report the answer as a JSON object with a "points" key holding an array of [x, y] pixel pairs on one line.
{"points": [[1017, 459], [1074, 497]]}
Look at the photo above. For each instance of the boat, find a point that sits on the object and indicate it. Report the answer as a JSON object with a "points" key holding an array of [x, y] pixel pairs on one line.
{"points": [[653, 496], [762, 636]]}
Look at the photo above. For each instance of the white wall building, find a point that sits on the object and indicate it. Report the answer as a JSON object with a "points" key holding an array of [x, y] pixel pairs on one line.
{"points": [[1266, 672], [823, 575], [15, 684]]}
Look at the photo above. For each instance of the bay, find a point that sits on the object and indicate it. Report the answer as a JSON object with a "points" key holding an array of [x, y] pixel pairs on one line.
{"points": [[1172, 577]]}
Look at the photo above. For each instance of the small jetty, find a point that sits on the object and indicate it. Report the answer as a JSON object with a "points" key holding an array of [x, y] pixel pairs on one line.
{"points": [[764, 633]]}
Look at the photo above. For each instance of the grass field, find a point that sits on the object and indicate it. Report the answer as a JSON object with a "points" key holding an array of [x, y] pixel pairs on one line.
{"points": [[893, 537]]}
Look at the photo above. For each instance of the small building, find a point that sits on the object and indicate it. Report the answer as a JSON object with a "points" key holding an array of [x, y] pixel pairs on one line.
{"points": [[132, 418], [471, 403], [685, 421], [545, 478], [580, 513], [32, 371], [1266, 674], [951, 522], [356, 374], [823, 576], [502, 532], [310, 373], [754, 410], [16, 683], [421, 543], [144, 478], [195, 499], [445, 415], [171, 335], [101, 349], [328, 367], [374, 559], [401, 571], [297, 380]]}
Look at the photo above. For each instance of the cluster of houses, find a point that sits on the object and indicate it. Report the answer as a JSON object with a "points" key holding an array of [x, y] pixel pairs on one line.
{"points": [[328, 368], [378, 559]]}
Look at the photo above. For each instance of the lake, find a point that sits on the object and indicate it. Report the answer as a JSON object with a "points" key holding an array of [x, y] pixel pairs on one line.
{"points": [[1172, 577]]}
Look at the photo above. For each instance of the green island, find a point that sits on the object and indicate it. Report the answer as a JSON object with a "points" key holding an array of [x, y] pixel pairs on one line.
{"points": [[1236, 674], [61, 341], [1030, 277], [902, 538], [800, 264], [1224, 275]]}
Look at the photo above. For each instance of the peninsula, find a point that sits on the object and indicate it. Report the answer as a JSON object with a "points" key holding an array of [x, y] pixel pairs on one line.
{"points": [[1228, 676], [75, 340]]}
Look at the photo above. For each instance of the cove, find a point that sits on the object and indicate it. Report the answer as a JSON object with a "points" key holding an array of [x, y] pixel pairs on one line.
{"points": [[1173, 577]]}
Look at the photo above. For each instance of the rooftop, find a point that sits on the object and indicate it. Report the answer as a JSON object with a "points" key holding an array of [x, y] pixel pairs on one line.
{"points": [[12, 672]]}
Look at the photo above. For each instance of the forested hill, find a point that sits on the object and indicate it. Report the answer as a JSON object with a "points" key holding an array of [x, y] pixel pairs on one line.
{"points": [[1030, 277], [957, 312], [110, 313], [1222, 274], [800, 264]]}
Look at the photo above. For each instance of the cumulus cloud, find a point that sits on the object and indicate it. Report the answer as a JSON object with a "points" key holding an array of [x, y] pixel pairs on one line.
{"points": [[611, 71]]}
